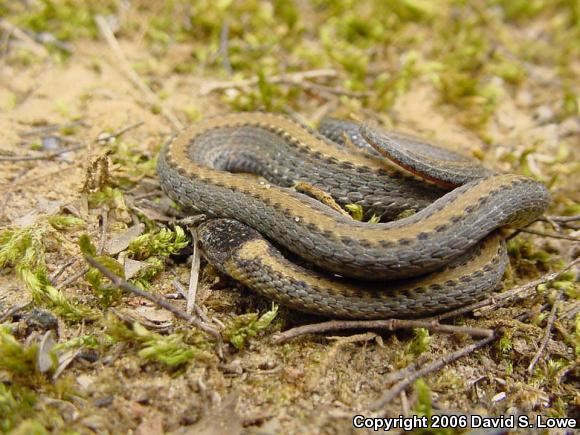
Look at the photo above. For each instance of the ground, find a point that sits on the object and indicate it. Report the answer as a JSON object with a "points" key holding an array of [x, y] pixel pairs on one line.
{"points": [[496, 80]]}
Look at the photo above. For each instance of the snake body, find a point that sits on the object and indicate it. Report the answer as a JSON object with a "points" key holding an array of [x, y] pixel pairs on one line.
{"points": [[450, 243]]}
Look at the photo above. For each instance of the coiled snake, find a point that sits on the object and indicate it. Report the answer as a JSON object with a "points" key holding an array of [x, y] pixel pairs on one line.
{"points": [[446, 255]]}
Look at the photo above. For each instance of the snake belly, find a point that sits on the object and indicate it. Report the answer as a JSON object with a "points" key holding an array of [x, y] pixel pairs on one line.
{"points": [[451, 242]]}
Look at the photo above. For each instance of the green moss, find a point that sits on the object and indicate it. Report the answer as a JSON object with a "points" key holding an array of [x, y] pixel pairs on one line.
{"points": [[16, 406], [25, 250], [153, 267], [172, 350], [163, 243], [17, 359], [108, 196], [134, 164], [526, 258], [420, 342], [423, 407], [65, 19], [243, 327]]}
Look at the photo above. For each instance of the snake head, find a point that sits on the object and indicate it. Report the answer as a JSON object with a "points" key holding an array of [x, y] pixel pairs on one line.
{"points": [[220, 239]]}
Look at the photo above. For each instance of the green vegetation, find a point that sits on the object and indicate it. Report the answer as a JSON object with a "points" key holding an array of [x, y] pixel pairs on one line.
{"points": [[25, 250], [163, 243], [424, 407], [245, 326], [172, 350]]}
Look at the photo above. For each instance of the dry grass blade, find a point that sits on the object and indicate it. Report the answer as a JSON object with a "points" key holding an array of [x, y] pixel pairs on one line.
{"points": [[194, 273], [131, 74]]}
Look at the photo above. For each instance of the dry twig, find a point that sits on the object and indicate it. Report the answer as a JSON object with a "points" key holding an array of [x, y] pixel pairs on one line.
{"points": [[388, 325], [121, 283], [564, 218], [45, 129], [516, 293], [34, 179], [41, 157], [544, 234], [61, 269], [547, 333], [293, 78], [434, 366], [11, 311], [34, 46], [108, 136], [73, 278]]}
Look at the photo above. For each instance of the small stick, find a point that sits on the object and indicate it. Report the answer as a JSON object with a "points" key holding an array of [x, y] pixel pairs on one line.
{"points": [[104, 227], [51, 128], [544, 234], [517, 293], [34, 179], [42, 157], [547, 333], [397, 375], [39, 49], [11, 311], [555, 225], [565, 218], [388, 325], [328, 89], [132, 75], [73, 278], [404, 403], [296, 77], [121, 283], [59, 272], [562, 221], [434, 366], [194, 274], [198, 311], [121, 132], [224, 48]]}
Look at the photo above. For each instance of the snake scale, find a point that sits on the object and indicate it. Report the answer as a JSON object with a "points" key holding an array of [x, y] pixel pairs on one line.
{"points": [[446, 255]]}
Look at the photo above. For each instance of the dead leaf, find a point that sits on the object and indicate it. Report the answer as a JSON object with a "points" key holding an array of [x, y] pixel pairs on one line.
{"points": [[47, 206], [27, 219], [44, 360], [119, 242], [154, 314]]}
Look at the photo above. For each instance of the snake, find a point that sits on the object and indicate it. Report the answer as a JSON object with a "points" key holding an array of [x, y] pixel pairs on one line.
{"points": [[438, 245]]}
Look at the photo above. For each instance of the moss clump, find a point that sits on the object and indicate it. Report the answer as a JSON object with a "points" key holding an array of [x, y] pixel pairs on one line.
{"points": [[25, 250], [65, 19], [162, 243], [172, 350], [243, 327]]}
